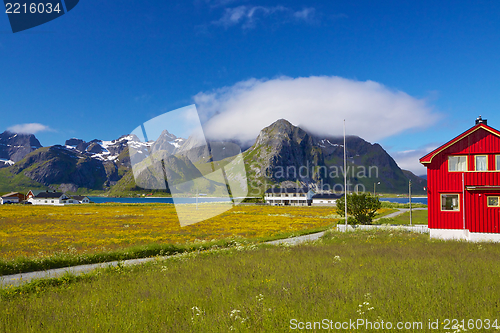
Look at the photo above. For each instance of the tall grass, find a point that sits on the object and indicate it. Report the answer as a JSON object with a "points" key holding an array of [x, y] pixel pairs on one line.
{"points": [[375, 275], [60, 260]]}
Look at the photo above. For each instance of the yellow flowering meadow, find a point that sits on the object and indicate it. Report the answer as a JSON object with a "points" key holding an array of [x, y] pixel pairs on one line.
{"points": [[37, 231]]}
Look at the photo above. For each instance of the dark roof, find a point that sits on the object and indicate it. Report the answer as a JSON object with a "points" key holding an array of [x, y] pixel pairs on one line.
{"points": [[288, 190], [79, 197], [11, 194], [50, 195], [327, 196]]}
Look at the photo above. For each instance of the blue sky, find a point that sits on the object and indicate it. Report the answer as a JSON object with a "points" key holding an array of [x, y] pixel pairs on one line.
{"points": [[105, 68]]}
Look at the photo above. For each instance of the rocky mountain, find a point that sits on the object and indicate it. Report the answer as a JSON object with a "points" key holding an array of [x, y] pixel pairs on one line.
{"points": [[94, 165], [168, 142], [367, 164], [14, 147], [67, 168], [282, 154], [281, 151], [106, 150], [285, 153], [107, 166]]}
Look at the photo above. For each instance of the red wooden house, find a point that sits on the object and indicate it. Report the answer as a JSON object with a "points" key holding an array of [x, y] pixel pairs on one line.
{"points": [[463, 185]]}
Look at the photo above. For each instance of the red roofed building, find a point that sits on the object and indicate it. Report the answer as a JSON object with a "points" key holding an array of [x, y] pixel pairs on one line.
{"points": [[463, 185]]}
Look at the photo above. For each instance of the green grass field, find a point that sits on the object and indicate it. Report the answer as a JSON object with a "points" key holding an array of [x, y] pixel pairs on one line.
{"points": [[418, 217], [371, 276]]}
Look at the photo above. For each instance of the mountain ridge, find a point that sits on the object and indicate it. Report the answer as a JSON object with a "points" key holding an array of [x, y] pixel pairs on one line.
{"points": [[98, 165], [14, 146]]}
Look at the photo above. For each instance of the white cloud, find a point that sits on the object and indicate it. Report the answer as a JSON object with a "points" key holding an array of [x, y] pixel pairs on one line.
{"points": [[318, 104], [31, 128], [409, 159], [306, 14], [247, 16]]}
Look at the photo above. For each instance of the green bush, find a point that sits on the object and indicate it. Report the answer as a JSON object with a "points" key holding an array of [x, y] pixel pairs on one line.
{"points": [[361, 207]]}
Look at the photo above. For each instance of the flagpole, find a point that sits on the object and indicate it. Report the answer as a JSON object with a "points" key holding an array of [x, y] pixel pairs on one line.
{"points": [[345, 180]]}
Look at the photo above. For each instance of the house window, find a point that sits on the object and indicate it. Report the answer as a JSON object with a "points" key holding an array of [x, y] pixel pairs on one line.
{"points": [[497, 163], [457, 163], [481, 163], [493, 202], [450, 202]]}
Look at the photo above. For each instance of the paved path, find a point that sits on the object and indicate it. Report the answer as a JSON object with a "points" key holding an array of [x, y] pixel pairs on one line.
{"points": [[17, 279], [298, 239]]}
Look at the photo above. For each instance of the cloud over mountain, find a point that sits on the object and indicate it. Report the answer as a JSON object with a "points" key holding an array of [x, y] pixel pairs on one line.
{"points": [[317, 103], [31, 128]]}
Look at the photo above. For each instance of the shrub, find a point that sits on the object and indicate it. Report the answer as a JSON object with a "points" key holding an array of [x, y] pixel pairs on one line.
{"points": [[362, 208]]}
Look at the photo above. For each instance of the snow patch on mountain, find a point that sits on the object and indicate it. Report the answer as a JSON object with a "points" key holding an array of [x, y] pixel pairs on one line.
{"points": [[5, 161]]}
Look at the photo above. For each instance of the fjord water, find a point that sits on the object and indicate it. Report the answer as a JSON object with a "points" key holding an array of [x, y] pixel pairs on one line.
{"points": [[156, 200], [422, 200]]}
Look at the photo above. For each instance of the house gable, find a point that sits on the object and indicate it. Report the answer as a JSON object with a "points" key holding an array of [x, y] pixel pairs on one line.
{"points": [[463, 184], [472, 141]]}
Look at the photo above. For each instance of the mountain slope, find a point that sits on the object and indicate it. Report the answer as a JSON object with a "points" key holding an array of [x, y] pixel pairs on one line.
{"points": [[58, 165], [368, 164], [284, 153], [14, 147], [279, 153], [418, 182]]}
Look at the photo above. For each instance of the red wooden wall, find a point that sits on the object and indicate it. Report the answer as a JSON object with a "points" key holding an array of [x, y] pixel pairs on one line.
{"points": [[479, 217]]}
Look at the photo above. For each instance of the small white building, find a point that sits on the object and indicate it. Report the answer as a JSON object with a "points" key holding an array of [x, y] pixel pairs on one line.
{"points": [[13, 197], [289, 196], [5, 201], [51, 198], [325, 199], [81, 199], [55, 198]]}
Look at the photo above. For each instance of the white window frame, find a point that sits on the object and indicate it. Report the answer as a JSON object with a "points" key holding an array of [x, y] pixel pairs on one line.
{"points": [[458, 156], [475, 163], [449, 194]]}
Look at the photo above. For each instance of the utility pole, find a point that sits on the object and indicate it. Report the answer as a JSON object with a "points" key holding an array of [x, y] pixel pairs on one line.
{"points": [[375, 188], [345, 180], [409, 195]]}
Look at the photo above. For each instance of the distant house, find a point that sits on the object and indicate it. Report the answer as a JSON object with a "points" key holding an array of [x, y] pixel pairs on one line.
{"points": [[463, 185], [325, 199], [81, 199], [289, 196], [13, 197], [51, 198], [32, 194]]}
